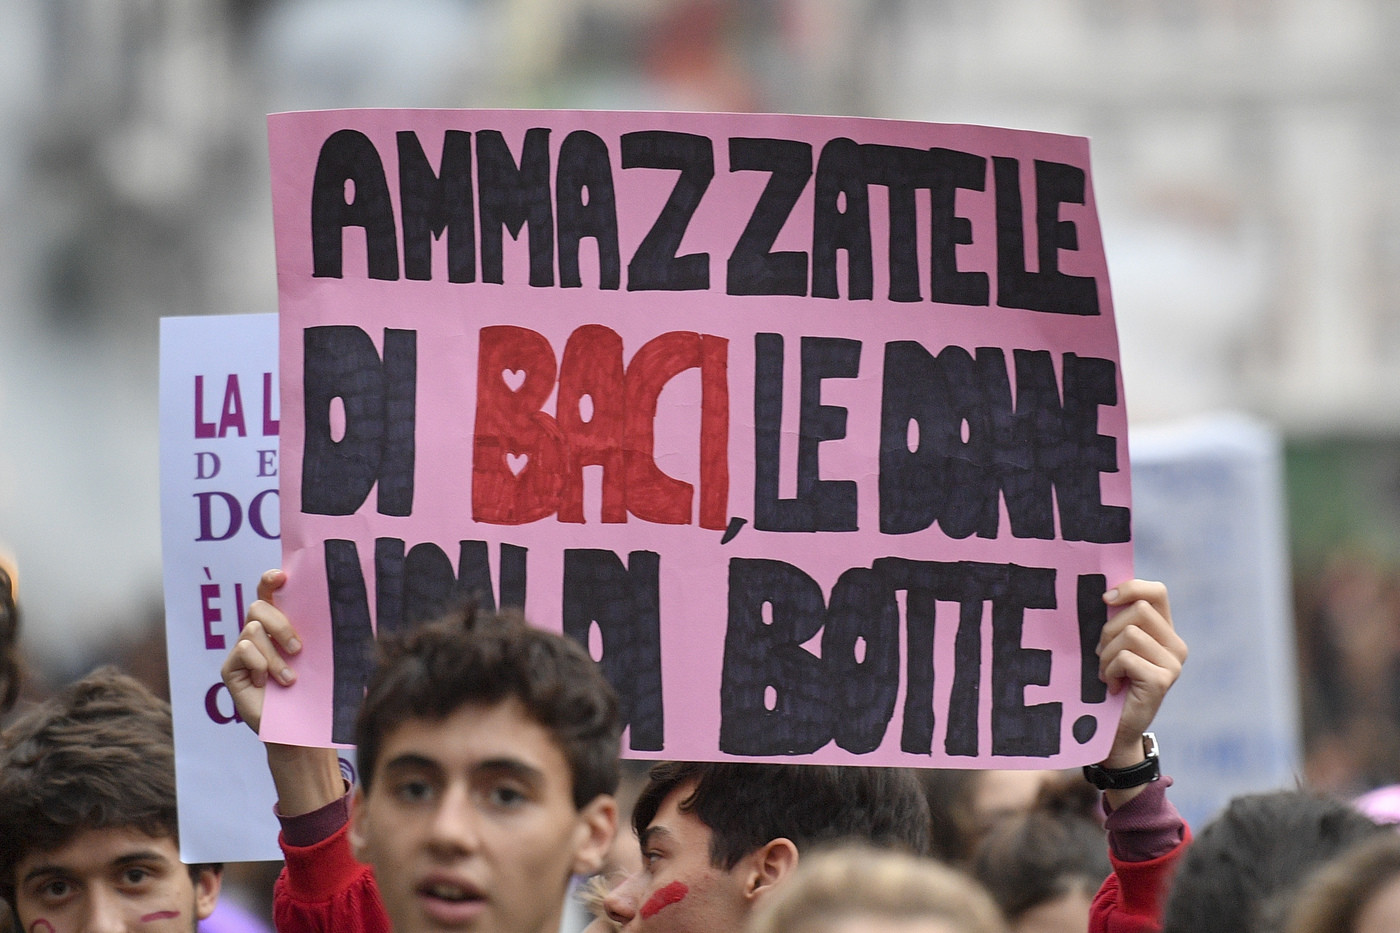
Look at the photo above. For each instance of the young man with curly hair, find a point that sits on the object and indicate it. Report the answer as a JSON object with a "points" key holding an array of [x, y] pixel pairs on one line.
{"points": [[88, 833], [487, 754]]}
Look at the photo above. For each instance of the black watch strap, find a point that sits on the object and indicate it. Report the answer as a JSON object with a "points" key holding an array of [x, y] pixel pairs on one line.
{"points": [[1144, 772]]}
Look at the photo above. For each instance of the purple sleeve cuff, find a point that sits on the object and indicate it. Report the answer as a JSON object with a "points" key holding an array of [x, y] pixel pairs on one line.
{"points": [[307, 829], [1146, 827]]}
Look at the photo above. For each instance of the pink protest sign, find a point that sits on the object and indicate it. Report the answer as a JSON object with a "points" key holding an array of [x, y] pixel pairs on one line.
{"points": [[811, 429]]}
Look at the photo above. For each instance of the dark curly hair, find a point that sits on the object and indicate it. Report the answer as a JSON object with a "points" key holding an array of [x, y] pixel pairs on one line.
{"points": [[431, 670]]}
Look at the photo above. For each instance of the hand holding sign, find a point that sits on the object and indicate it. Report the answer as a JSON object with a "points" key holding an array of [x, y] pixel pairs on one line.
{"points": [[1141, 656], [259, 652], [306, 778]]}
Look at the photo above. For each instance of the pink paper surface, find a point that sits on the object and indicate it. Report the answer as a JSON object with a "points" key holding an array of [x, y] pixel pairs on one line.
{"points": [[444, 320]]}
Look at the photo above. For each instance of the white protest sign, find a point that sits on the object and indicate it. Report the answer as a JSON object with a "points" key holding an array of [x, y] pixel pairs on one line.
{"points": [[1209, 522], [218, 468]]}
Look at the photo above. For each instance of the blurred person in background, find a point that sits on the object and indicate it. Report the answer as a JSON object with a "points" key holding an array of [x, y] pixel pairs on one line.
{"points": [[855, 889], [1359, 892], [1044, 865], [9, 665], [9, 634], [965, 805], [1242, 873], [1349, 669]]}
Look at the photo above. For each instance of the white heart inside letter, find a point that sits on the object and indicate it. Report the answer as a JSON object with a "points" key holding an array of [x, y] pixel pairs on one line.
{"points": [[514, 378], [517, 462]]}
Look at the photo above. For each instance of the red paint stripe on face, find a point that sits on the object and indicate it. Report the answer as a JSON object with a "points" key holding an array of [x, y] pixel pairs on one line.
{"points": [[671, 894], [160, 915], [41, 926]]}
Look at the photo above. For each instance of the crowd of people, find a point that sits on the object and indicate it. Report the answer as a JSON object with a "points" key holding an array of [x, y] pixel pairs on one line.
{"points": [[489, 799]]}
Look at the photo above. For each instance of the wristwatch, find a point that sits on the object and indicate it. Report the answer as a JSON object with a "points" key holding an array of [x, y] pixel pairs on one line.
{"points": [[1144, 772]]}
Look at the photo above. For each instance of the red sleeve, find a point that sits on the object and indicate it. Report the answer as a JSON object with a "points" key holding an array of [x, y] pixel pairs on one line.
{"points": [[1133, 898], [323, 889]]}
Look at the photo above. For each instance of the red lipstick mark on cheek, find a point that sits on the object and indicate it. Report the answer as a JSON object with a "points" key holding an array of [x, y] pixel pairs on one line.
{"points": [[160, 915], [41, 926], [673, 893]]}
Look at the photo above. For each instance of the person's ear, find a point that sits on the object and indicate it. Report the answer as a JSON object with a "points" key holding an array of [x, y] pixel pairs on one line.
{"points": [[208, 882], [593, 835], [356, 833], [769, 864]]}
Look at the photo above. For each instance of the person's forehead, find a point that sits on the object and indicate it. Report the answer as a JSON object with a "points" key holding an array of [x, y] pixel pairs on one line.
{"points": [[479, 733], [98, 848], [682, 827]]}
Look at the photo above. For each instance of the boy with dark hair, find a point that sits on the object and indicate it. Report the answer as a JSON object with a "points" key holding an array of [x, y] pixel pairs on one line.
{"points": [[88, 834], [717, 837], [487, 758], [470, 657]]}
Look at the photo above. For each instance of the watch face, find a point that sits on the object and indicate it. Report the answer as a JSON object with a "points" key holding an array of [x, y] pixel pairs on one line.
{"points": [[1150, 748]]}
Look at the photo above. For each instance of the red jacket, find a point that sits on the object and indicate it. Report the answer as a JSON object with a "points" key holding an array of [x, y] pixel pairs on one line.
{"points": [[1146, 839], [323, 889], [1133, 898]]}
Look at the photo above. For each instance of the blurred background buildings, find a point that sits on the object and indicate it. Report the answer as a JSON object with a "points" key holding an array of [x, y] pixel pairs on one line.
{"points": [[1246, 172]]}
